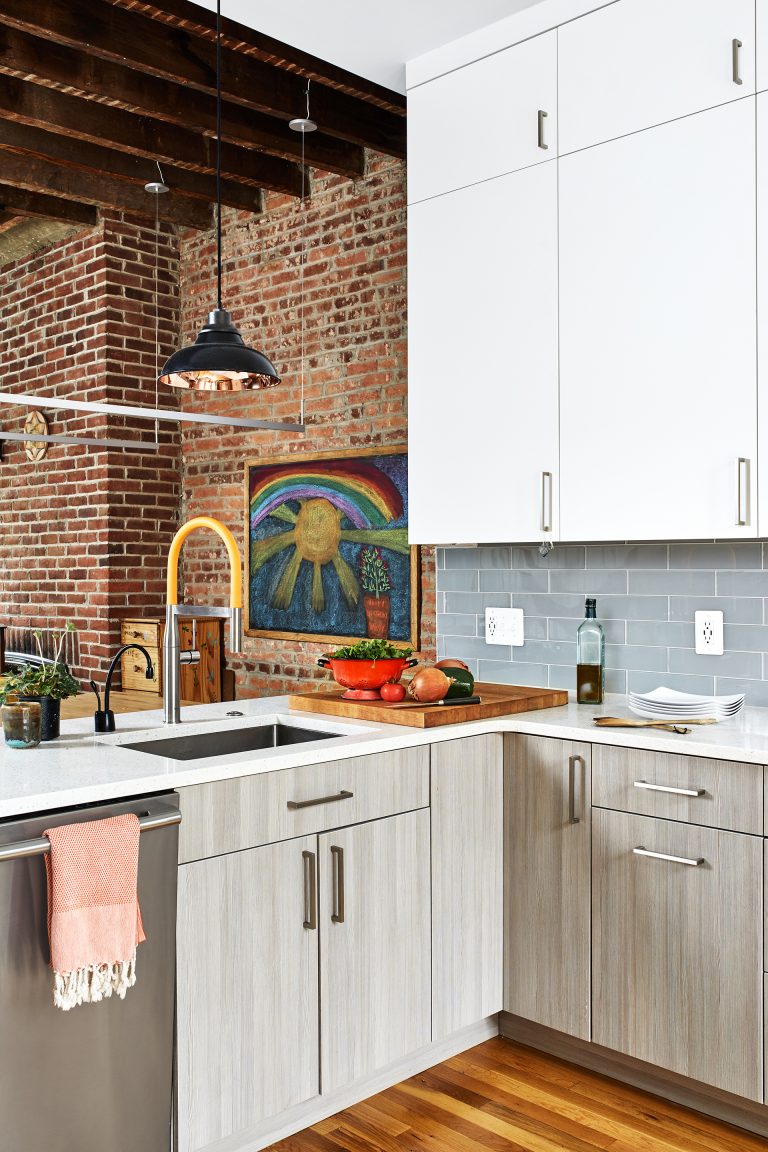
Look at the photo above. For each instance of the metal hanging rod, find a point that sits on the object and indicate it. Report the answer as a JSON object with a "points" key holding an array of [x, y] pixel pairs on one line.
{"points": [[85, 441], [102, 409], [41, 846]]}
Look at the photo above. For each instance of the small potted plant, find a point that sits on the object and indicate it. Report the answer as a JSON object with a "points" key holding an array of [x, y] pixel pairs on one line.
{"points": [[377, 584], [48, 683]]}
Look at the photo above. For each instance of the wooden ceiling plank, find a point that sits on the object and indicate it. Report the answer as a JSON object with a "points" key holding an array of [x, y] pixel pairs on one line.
{"points": [[233, 34], [97, 158], [21, 202], [176, 54], [31, 57], [37, 175], [81, 119]]}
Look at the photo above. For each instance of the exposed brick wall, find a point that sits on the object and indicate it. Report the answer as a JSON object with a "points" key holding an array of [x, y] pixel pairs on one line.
{"points": [[355, 367], [84, 531]]}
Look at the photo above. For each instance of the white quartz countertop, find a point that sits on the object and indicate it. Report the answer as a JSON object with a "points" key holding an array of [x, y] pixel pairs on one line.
{"points": [[83, 768]]}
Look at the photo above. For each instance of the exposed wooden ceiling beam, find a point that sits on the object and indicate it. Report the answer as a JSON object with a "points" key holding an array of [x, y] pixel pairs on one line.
{"points": [[89, 120], [132, 38], [182, 13], [20, 202], [37, 175], [95, 158], [34, 58]]}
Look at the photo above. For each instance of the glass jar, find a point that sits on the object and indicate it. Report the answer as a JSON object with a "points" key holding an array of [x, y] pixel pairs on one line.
{"points": [[21, 724]]}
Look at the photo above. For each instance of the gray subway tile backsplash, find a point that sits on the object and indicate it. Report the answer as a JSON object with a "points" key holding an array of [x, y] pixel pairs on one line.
{"points": [[646, 598]]}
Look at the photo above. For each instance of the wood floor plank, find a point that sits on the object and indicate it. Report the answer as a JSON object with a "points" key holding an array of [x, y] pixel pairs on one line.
{"points": [[503, 1097]]}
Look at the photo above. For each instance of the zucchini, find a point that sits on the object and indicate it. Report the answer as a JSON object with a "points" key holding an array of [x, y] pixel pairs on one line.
{"points": [[462, 683]]}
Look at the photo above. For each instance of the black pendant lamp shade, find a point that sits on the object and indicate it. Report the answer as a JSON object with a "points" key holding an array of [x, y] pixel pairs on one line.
{"points": [[219, 360]]}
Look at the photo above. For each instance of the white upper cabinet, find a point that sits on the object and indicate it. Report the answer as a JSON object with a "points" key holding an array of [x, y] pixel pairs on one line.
{"points": [[482, 362], [761, 45], [762, 308], [637, 63], [490, 117], [658, 392]]}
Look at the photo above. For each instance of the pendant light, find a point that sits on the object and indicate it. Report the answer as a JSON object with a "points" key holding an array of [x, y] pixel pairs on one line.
{"points": [[219, 360]]}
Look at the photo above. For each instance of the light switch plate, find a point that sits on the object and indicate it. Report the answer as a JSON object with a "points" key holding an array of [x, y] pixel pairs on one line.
{"points": [[505, 626], [708, 632]]}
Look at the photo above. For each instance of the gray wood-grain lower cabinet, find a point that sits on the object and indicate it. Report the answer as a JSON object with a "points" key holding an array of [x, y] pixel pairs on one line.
{"points": [[677, 948], [374, 945], [467, 881], [547, 882], [247, 992]]}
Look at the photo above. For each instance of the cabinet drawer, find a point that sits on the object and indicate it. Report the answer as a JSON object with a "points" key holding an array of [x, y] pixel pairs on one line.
{"points": [[145, 632], [716, 793], [229, 815], [133, 669], [677, 948]]}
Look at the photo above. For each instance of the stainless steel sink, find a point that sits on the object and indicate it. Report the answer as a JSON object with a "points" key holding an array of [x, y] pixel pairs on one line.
{"points": [[255, 738]]}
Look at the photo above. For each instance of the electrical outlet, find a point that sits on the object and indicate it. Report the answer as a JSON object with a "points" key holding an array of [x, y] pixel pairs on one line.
{"points": [[708, 630], [505, 626]]}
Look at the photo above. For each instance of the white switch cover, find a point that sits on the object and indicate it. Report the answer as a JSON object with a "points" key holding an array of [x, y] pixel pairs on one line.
{"points": [[708, 630], [504, 626]]}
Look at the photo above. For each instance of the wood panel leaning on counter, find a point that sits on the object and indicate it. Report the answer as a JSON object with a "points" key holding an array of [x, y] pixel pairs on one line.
{"points": [[377, 913]]}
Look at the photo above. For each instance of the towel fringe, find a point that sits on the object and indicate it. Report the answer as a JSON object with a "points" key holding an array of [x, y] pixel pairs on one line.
{"points": [[94, 983]]}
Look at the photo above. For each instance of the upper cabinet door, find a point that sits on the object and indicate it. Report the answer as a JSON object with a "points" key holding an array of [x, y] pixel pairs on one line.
{"points": [[638, 63], [482, 362], [493, 116], [658, 392]]}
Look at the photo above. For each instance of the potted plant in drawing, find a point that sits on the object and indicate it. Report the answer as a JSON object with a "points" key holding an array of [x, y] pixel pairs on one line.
{"points": [[376, 584], [48, 683]]}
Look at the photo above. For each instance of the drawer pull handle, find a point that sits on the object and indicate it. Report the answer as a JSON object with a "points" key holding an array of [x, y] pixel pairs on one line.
{"points": [[640, 851], [310, 890], [667, 788], [294, 804], [541, 141], [736, 46], [337, 854], [572, 762]]}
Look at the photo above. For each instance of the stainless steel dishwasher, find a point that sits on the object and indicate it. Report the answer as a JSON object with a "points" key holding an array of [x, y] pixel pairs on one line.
{"points": [[99, 1077]]}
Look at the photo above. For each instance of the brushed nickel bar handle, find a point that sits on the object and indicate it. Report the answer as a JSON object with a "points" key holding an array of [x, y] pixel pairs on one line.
{"points": [[742, 493], [667, 788], [310, 889], [736, 46], [640, 851], [337, 854], [572, 762], [42, 846], [343, 795], [546, 504], [542, 117]]}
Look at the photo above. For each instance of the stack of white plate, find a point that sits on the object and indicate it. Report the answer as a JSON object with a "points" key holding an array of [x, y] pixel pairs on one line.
{"points": [[668, 704]]}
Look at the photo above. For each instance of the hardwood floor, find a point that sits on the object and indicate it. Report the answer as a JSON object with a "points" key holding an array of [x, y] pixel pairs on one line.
{"points": [[505, 1098]]}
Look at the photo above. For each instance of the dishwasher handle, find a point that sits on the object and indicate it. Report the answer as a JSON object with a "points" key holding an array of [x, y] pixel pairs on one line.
{"points": [[40, 846]]}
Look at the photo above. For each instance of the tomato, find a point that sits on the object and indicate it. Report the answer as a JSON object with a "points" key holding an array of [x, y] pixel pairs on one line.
{"points": [[392, 693]]}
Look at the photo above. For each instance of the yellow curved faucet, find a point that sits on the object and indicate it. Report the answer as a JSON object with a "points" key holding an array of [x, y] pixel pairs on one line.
{"points": [[173, 657]]}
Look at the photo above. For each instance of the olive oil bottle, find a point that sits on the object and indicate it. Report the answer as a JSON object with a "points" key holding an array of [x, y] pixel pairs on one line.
{"points": [[590, 657]]}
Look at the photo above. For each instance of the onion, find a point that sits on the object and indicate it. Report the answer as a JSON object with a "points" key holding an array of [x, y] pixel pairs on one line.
{"points": [[452, 664], [428, 685]]}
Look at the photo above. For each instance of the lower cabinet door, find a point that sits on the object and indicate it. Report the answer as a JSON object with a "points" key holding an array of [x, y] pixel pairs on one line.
{"points": [[547, 882], [247, 998], [677, 949], [375, 945]]}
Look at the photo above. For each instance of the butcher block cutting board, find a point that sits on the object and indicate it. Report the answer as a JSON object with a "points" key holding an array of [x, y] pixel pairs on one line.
{"points": [[495, 700]]}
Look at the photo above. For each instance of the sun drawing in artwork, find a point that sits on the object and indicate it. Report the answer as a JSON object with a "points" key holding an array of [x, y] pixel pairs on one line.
{"points": [[353, 503]]}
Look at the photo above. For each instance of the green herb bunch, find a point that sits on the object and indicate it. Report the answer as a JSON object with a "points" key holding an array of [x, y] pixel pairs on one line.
{"points": [[54, 680], [371, 650]]}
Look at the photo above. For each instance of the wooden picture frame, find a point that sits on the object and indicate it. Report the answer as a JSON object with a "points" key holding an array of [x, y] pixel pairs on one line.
{"points": [[339, 509]]}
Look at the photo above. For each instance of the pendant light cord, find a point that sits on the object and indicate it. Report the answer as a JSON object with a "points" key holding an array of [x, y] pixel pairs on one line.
{"points": [[218, 154], [302, 261]]}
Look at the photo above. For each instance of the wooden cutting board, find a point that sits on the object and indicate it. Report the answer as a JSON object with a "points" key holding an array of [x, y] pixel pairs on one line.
{"points": [[495, 700]]}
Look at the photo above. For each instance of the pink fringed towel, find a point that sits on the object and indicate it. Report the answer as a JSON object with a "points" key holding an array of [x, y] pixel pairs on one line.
{"points": [[94, 921]]}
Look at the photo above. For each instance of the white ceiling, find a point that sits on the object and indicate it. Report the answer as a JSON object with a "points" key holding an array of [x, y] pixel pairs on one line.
{"points": [[373, 41]]}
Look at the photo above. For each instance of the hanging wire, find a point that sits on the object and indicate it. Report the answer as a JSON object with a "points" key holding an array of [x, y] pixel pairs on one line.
{"points": [[218, 153], [302, 259]]}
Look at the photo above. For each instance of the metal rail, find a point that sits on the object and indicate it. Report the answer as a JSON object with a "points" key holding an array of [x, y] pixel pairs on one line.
{"points": [[40, 846]]}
